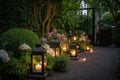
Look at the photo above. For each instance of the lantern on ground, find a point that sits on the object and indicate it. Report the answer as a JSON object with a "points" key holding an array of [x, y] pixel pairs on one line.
{"points": [[64, 45], [55, 45], [75, 37], [73, 51], [38, 63]]}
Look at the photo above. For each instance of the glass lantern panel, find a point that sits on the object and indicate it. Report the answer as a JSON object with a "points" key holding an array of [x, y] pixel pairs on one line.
{"points": [[64, 47], [36, 63], [57, 51]]}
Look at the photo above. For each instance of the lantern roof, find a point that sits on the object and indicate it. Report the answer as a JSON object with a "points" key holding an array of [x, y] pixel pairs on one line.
{"points": [[38, 50]]}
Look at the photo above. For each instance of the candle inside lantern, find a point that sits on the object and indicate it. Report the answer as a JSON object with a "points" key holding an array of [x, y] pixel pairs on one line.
{"points": [[74, 38], [64, 48], [38, 67], [45, 64], [73, 53], [88, 48], [77, 46]]}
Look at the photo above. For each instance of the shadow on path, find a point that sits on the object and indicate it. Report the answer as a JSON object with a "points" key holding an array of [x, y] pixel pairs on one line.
{"points": [[99, 65]]}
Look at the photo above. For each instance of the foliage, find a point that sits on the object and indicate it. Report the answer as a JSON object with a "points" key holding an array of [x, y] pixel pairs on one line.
{"points": [[17, 68], [61, 62], [51, 61], [67, 19], [57, 63], [13, 14], [60, 31], [13, 38], [82, 45]]}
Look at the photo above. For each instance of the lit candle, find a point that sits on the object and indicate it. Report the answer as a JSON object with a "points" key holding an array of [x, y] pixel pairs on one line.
{"points": [[73, 52], [88, 48], [45, 64], [38, 67], [74, 38], [77, 46], [64, 48]]}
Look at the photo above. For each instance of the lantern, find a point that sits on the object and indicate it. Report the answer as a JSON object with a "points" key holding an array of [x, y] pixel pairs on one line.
{"points": [[70, 37], [64, 46], [38, 63], [55, 45], [75, 37], [73, 51]]}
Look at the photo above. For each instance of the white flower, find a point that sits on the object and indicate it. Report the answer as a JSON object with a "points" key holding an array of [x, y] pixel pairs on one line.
{"points": [[4, 56], [24, 47], [49, 50]]}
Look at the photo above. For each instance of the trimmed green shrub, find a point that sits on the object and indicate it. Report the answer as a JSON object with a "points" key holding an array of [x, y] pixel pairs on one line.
{"points": [[61, 63], [13, 38]]}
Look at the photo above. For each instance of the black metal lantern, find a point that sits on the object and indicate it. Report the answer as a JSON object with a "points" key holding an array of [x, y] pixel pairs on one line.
{"points": [[55, 45], [73, 51], [75, 37], [70, 35], [38, 63]]}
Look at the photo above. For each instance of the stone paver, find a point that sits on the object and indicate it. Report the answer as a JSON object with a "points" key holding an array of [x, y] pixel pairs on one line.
{"points": [[99, 65]]}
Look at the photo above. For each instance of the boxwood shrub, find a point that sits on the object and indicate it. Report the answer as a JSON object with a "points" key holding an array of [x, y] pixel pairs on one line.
{"points": [[13, 38]]}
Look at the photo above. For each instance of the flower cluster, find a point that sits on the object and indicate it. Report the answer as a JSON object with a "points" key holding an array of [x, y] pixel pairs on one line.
{"points": [[54, 33], [43, 40], [24, 47], [50, 36], [4, 56]]}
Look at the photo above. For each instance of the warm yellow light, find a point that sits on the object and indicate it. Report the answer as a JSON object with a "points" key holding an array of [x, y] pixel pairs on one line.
{"points": [[57, 52], [77, 46], [84, 59], [73, 52], [45, 64], [38, 67], [64, 48], [88, 48], [74, 38]]}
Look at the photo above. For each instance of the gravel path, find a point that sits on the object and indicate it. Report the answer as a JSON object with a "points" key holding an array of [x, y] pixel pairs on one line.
{"points": [[99, 65]]}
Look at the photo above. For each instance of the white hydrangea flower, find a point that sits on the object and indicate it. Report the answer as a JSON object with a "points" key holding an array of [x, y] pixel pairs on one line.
{"points": [[49, 50], [24, 47], [4, 56]]}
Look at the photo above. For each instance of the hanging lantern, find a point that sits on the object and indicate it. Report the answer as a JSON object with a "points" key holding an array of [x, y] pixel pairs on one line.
{"points": [[38, 63], [64, 46], [55, 45], [73, 51]]}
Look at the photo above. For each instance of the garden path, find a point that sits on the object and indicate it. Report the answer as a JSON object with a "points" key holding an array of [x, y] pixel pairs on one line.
{"points": [[99, 65]]}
